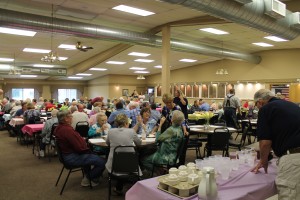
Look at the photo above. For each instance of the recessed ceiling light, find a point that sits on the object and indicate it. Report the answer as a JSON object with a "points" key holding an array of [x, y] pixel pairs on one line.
{"points": [[115, 62], [63, 58], [133, 10], [139, 54], [187, 60], [75, 77], [144, 60], [158, 66], [262, 44], [137, 68], [82, 74], [41, 65], [17, 32], [98, 69], [214, 31], [67, 46], [4, 67], [141, 72], [7, 59], [28, 76], [31, 50], [275, 38]]}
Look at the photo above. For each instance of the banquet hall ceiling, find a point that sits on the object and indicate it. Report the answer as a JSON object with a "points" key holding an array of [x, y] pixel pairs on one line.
{"points": [[184, 22]]}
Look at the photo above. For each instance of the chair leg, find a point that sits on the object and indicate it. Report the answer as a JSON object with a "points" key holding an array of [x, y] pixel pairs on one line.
{"points": [[62, 189], [152, 171], [109, 187], [59, 175]]}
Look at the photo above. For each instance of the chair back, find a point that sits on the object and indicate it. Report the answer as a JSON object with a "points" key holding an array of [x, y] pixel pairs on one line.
{"points": [[181, 151], [214, 119], [82, 128], [220, 139], [52, 137], [125, 160]]}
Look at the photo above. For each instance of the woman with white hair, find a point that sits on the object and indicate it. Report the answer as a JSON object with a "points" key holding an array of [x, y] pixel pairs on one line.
{"points": [[93, 117], [169, 141]]}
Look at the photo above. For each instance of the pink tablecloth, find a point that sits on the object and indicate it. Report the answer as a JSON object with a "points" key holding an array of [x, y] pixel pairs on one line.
{"points": [[30, 129], [242, 184]]}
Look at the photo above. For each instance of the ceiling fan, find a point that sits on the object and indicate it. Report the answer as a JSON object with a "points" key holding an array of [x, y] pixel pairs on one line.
{"points": [[80, 47]]}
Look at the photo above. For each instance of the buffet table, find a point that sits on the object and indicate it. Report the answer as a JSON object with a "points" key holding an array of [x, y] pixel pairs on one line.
{"points": [[242, 184]]}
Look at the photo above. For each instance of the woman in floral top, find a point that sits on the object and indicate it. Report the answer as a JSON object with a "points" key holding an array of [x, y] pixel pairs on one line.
{"points": [[31, 115], [169, 141]]}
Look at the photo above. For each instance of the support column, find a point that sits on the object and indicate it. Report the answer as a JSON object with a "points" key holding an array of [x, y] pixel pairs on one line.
{"points": [[166, 46]]}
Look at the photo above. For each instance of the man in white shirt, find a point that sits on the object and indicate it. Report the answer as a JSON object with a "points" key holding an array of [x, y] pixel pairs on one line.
{"points": [[78, 115]]}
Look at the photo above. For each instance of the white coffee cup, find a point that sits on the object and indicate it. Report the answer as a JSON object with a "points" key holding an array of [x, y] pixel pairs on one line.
{"points": [[193, 179], [173, 170], [182, 168], [172, 179], [191, 164], [183, 175]]}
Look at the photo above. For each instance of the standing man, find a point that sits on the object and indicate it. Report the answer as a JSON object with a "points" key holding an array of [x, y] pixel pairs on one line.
{"points": [[278, 129], [231, 104], [75, 150]]}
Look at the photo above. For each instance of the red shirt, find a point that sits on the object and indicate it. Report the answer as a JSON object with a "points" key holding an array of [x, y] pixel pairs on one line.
{"points": [[70, 141]]}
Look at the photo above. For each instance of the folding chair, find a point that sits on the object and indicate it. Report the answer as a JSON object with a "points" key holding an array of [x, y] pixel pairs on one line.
{"points": [[82, 128], [68, 167], [125, 166], [218, 141]]}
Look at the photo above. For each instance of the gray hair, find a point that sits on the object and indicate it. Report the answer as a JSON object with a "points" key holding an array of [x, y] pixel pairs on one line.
{"points": [[54, 112], [99, 115], [263, 94], [177, 117], [18, 103], [61, 115], [73, 109], [97, 109]]}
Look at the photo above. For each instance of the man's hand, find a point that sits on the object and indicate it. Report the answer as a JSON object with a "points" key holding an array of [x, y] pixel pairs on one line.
{"points": [[259, 165]]}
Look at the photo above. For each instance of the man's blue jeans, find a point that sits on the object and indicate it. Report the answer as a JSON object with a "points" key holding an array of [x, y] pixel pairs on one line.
{"points": [[86, 161]]}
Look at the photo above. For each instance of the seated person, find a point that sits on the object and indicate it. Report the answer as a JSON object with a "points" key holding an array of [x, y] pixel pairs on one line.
{"points": [[220, 111], [122, 135], [46, 132], [195, 107], [99, 129], [119, 109], [92, 119], [75, 150], [169, 141], [31, 115], [203, 105], [155, 114], [148, 124], [20, 112], [252, 111], [15, 108]]}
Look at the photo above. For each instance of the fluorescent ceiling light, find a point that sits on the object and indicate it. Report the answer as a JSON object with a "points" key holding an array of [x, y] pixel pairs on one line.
{"points": [[31, 50], [17, 32], [83, 74], [4, 67], [67, 46], [158, 66], [63, 58], [141, 72], [45, 66], [137, 68], [98, 69], [262, 44], [28, 76], [75, 77], [115, 62], [275, 38], [187, 60], [6, 59], [133, 10], [143, 60], [214, 31], [139, 54]]}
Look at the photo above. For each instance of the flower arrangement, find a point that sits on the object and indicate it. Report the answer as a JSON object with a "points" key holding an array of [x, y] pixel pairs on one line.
{"points": [[207, 116]]}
